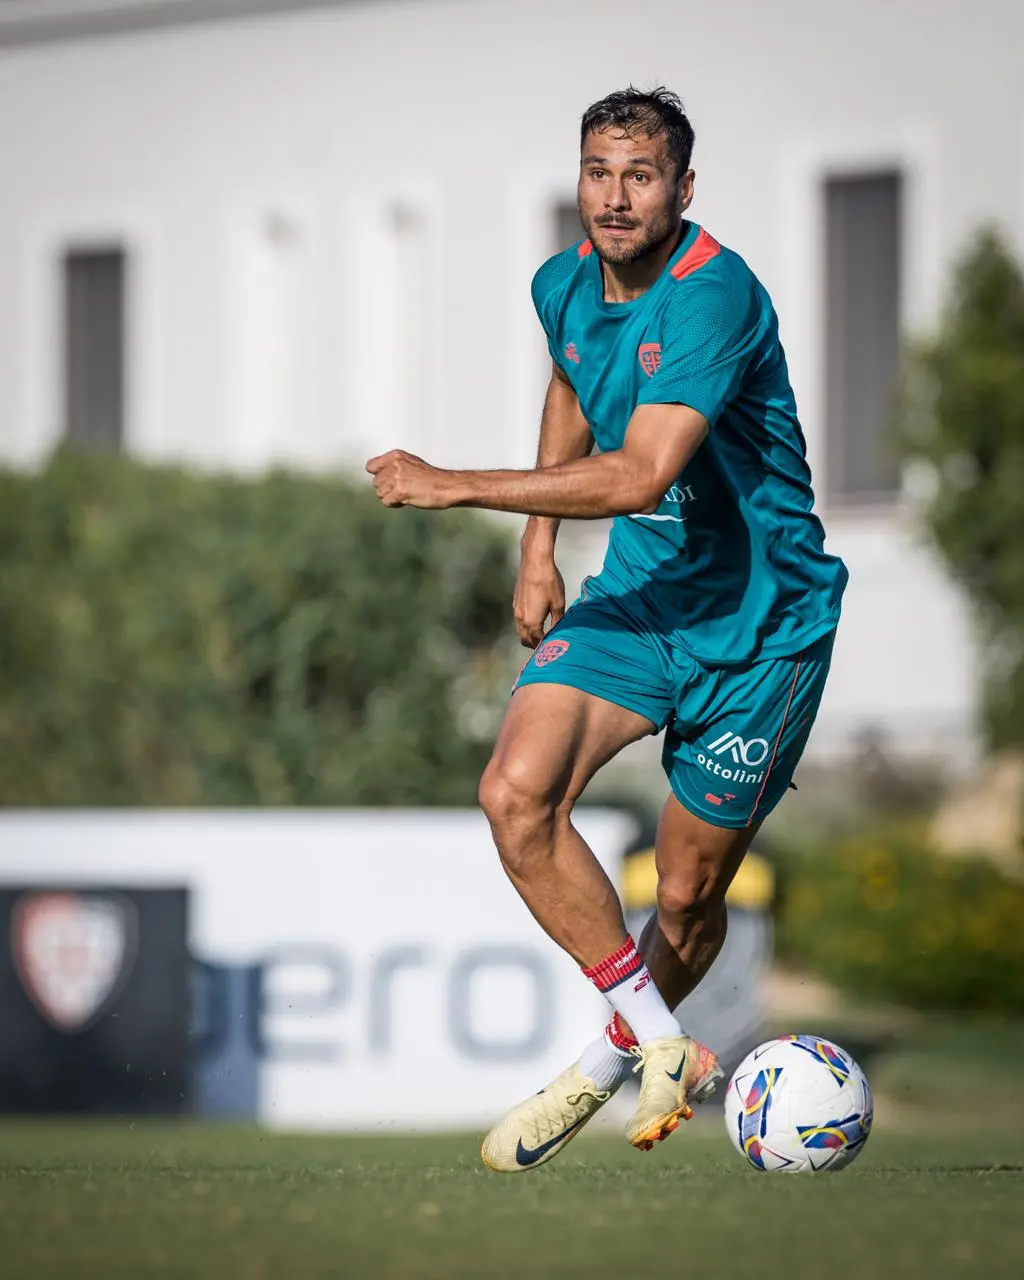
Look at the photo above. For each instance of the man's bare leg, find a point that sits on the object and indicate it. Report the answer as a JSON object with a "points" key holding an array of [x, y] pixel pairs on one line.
{"points": [[696, 863], [553, 740]]}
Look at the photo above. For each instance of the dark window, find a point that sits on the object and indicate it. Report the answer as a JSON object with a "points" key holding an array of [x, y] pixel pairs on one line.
{"points": [[94, 282], [566, 226], [862, 333]]}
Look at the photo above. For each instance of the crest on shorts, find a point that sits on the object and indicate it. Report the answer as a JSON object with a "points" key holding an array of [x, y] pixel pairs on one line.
{"points": [[549, 651], [73, 953], [649, 355]]}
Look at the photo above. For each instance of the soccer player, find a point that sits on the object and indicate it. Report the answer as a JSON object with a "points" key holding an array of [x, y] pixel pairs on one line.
{"points": [[712, 619]]}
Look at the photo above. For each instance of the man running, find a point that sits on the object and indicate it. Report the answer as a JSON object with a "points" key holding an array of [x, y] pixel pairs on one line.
{"points": [[712, 619]]}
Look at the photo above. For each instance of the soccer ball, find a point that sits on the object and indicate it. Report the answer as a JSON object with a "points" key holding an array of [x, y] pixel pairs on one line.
{"points": [[798, 1104]]}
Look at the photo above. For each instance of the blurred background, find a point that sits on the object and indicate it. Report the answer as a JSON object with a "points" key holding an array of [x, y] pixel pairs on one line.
{"points": [[244, 246]]}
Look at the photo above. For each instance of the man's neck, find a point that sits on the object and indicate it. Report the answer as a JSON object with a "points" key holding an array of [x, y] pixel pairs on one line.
{"points": [[629, 281]]}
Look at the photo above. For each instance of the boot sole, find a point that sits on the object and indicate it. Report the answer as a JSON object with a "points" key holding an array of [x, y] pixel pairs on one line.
{"points": [[667, 1124]]}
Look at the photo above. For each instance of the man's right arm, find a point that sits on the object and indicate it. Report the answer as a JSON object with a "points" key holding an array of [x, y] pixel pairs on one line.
{"points": [[564, 437]]}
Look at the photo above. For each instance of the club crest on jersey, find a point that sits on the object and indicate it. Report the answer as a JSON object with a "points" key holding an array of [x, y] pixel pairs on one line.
{"points": [[549, 651], [73, 953], [649, 355]]}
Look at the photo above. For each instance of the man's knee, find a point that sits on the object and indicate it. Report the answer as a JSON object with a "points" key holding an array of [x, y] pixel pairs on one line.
{"points": [[508, 791], [520, 804], [690, 899]]}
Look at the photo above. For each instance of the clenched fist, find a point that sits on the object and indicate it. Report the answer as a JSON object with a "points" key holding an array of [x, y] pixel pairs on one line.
{"points": [[403, 480], [539, 595]]}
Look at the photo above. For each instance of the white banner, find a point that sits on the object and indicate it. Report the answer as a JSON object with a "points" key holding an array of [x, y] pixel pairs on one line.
{"points": [[387, 972]]}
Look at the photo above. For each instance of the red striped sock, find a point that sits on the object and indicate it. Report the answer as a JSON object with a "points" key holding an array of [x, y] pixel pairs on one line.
{"points": [[617, 1034], [625, 982], [616, 968]]}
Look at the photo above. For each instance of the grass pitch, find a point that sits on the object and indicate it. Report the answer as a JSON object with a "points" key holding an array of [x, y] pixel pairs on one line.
{"points": [[119, 1200]]}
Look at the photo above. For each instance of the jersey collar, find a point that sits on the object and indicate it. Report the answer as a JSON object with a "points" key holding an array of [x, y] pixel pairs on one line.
{"points": [[690, 232]]}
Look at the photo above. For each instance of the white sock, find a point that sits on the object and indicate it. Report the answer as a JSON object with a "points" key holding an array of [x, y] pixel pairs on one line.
{"points": [[624, 981], [606, 1065]]}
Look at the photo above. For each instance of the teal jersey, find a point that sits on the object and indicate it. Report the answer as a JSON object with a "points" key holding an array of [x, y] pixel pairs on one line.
{"points": [[731, 566]]}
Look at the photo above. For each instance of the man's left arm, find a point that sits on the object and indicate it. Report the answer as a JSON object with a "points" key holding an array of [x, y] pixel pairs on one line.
{"points": [[660, 440]]}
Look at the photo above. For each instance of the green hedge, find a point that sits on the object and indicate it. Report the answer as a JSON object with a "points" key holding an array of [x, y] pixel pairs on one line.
{"points": [[883, 916], [174, 639]]}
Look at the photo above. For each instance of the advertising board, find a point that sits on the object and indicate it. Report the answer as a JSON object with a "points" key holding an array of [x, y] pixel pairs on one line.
{"points": [[352, 969]]}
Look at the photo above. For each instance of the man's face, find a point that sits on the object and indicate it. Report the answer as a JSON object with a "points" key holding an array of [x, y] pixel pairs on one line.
{"points": [[630, 196]]}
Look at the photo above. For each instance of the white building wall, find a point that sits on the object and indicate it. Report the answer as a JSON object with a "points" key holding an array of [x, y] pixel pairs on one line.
{"points": [[334, 215]]}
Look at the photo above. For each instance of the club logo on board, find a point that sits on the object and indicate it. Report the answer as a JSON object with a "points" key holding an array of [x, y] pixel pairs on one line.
{"points": [[73, 953]]}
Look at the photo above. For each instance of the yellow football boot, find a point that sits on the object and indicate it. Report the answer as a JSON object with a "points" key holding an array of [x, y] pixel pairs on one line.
{"points": [[675, 1072], [536, 1130]]}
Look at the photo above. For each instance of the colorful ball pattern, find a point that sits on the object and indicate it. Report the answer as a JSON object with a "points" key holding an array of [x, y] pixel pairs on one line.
{"points": [[798, 1104]]}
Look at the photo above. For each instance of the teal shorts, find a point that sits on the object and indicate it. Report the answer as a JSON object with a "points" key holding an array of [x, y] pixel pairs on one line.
{"points": [[733, 736]]}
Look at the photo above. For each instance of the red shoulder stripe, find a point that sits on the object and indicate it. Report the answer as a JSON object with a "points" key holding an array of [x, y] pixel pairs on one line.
{"points": [[585, 248], [703, 249]]}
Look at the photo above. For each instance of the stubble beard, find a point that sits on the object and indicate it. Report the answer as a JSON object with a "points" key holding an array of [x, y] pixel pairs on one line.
{"points": [[627, 255]]}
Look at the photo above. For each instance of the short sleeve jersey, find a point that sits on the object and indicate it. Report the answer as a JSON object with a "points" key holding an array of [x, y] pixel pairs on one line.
{"points": [[731, 566]]}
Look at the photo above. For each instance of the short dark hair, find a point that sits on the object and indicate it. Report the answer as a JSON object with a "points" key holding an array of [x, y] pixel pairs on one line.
{"points": [[654, 113]]}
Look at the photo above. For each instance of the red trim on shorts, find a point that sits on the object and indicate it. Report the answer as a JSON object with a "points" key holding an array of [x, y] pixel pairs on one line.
{"points": [[775, 749]]}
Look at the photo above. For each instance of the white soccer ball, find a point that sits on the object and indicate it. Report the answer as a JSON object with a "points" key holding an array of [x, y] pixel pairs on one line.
{"points": [[798, 1104]]}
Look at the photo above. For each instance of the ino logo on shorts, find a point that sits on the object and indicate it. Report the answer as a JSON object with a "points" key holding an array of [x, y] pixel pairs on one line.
{"points": [[549, 651], [745, 754]]}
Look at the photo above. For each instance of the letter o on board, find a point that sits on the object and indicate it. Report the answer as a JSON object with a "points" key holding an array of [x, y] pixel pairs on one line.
{"points": [[468, 967]]}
